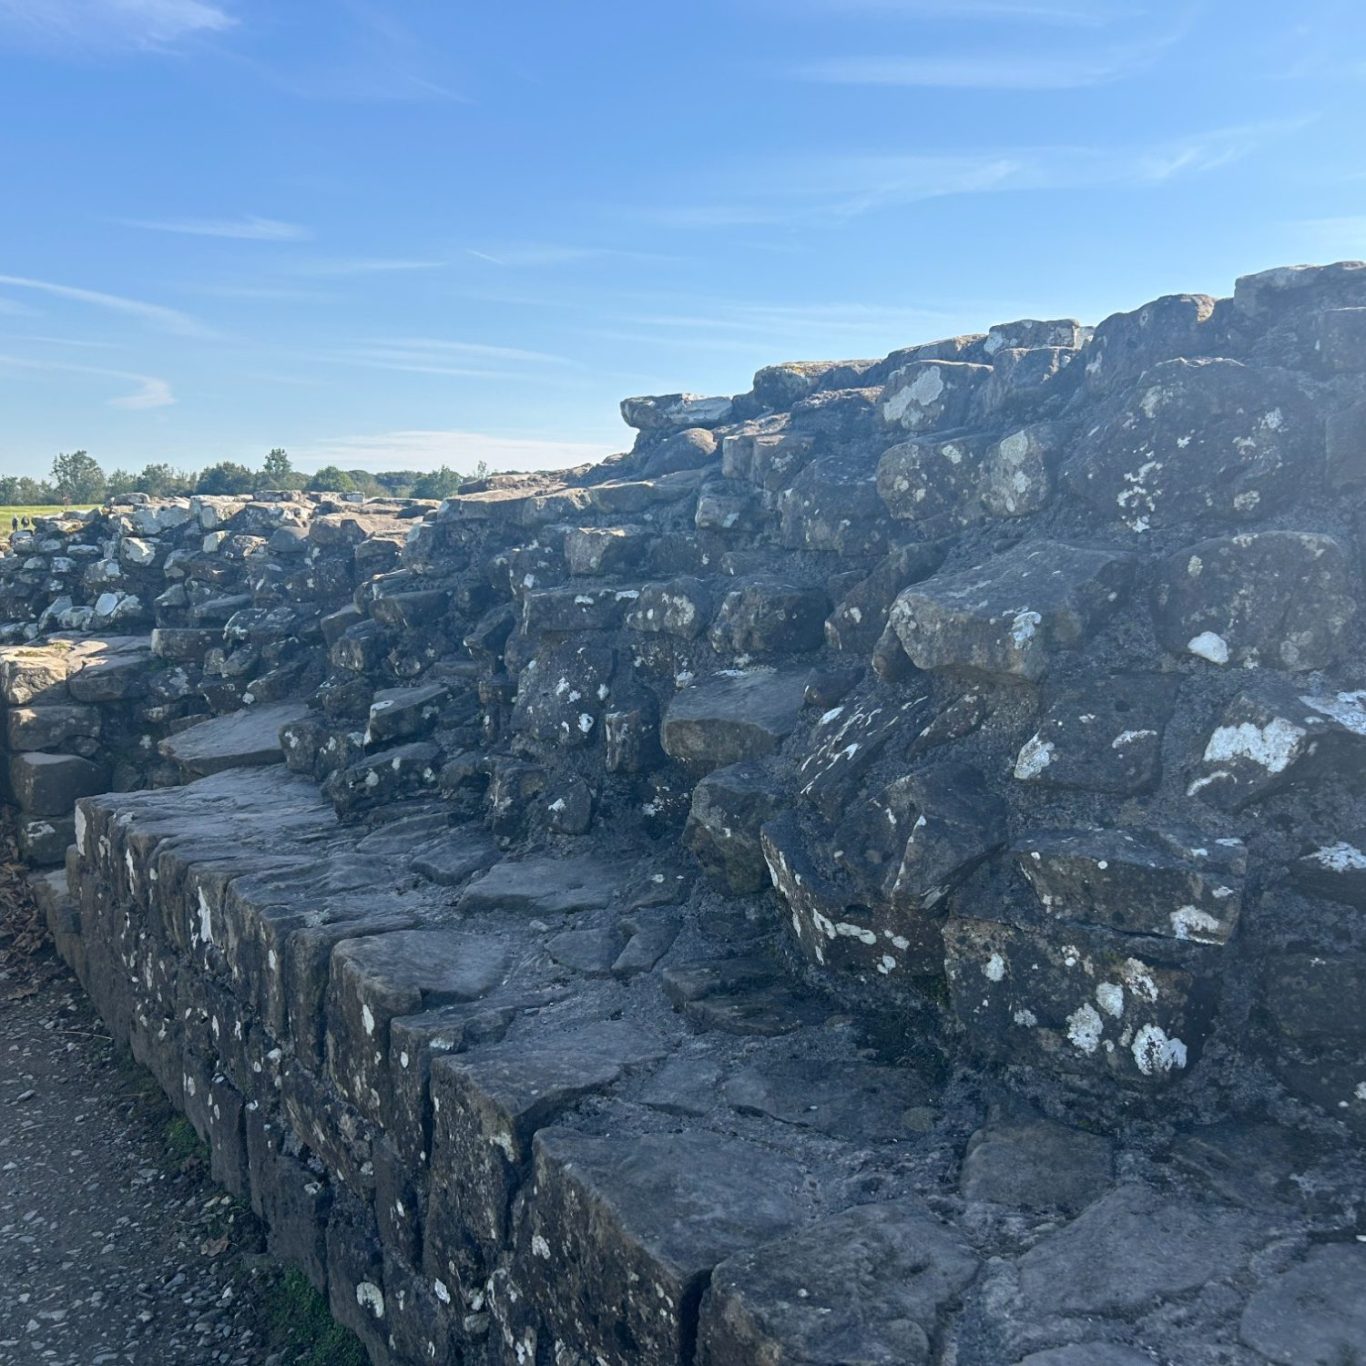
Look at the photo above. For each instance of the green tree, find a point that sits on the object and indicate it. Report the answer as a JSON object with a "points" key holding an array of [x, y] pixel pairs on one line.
{"points": [[120, 481], [79, 477], [331, 479], [278, 470], [226, 477], [442, 483]]}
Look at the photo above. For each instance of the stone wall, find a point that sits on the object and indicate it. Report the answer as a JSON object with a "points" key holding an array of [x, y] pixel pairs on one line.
{"points": [[876, 872]]}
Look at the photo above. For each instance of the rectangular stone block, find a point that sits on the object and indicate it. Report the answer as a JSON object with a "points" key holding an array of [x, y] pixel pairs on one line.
{"points": [[50, 784]]}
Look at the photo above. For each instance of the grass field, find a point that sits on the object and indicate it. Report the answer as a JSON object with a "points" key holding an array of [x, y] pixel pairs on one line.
{"points": [[8, 513]]}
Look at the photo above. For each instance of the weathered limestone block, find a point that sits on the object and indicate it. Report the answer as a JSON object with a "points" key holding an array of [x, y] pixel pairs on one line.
{"points": [[680, 607], [1198, 437], [50, 727], [487, 1107], [244, 739], [861, 614], [1017, 471], [566, 610], [1278, 599], [729, 806], [932, 395], [1272, 736], [405, 713], [561, 694], [544, 887], [1079, 1003], [382, 976], [1102, 739], [1037, 1165], [734, 716], [1155, 882], [1313, 1312], [931, 479], [669, 412], [767, 615], [35, 673], [1133, 1248], [1127, 344], [1010, 614], [43, 841], [833, 506], [846, 741], [1336, 871], [411, 770], [883, 1276], [691, 449], [1020, 376], [598, 551], [608, 1216], [50, 784]]}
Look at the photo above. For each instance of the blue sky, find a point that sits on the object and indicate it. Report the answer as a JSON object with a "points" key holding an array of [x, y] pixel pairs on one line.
{"points": [[422, 232]]}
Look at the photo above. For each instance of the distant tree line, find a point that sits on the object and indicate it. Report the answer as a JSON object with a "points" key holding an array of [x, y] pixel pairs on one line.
{"points": [[77, 478]]}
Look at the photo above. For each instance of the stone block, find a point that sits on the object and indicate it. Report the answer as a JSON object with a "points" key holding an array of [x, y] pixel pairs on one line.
{"points": [[730, 717], [51, 784]]}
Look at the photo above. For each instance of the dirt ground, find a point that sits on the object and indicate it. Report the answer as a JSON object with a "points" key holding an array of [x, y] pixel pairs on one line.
{"points": [[114, 1245]]}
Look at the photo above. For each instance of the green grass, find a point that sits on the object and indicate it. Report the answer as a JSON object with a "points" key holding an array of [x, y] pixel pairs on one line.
{"points": [[8, 513], [299, 1322]]}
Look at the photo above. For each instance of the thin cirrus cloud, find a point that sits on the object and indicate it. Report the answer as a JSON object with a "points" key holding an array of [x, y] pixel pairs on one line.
{"points": [[156, 315], [367, 265], [1076, 13], [246, 229], [86, 25], [831, 190], [1024, 72], [436, 356], [151, 391]]}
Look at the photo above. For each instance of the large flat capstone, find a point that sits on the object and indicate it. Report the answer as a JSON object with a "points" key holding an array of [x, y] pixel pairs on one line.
{"points": [[242, 739]]}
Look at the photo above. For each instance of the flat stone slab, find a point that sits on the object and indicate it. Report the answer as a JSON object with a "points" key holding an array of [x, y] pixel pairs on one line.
{"points": [[1134, 1247], [630, 1227], [242, 739], [544, 886], [730, 717], [879, 1276], [1315, 1313]]}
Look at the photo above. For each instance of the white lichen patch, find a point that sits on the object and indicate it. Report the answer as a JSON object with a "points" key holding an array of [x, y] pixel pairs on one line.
{"points": [[1110, 997], [1273, 746], [994, 969], [1084, 1028], [1340, 858], [1035, 755], [1208, 645], [370, 1297], [1189, 922], [1154, 1052]]}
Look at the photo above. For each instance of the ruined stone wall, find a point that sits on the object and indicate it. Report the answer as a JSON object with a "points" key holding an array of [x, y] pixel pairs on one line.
{"points": [[126, 625], [876, 869]]}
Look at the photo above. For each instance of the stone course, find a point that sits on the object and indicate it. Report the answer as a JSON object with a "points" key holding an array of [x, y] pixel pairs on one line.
{"points": [[872, 874]]}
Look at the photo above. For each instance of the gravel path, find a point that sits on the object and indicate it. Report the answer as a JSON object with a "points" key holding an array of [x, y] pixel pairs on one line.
{"points": [[114, 1246]]}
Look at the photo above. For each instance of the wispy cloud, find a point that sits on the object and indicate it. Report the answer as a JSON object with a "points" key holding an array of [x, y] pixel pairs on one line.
{"points": [[151, 391], [88, 25], [533, 254], [460, 449], [246, 229], [165, 319], [12, 308], [436, 356], [1022, 71], [1078, 13], [367, 265], [834, 189]]}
